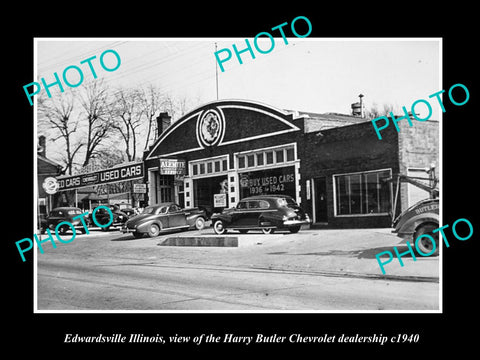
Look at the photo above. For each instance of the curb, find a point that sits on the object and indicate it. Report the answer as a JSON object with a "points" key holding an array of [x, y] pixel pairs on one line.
{"points": [[200, 241]]}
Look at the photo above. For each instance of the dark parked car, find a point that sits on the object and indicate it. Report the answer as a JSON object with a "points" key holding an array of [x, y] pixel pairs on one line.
{"points": [[129, 211], [264, 212], [59, 215], [103, 217], [163, 217]]}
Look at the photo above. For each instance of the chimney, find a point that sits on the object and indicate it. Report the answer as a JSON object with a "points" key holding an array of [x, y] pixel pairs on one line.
{"points": [[362, 109], [41, 149], [163, 122]]}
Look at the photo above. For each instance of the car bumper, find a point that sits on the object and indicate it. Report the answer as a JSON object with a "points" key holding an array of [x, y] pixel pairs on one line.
{"points": [[297, 222], [126, 230], [288, 223]]}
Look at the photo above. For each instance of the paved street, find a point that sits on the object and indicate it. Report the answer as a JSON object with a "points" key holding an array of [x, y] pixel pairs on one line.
{"points": [[312, 270]]}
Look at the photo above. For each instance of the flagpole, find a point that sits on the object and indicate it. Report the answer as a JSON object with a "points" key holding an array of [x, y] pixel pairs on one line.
{"points": [[216, 72]]}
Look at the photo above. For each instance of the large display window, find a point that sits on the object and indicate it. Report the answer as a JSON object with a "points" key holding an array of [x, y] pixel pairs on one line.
{"points": [[279, 181]]}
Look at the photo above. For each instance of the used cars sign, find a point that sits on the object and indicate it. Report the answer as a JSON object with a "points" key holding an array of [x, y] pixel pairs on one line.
{"points": [[119, 173]]}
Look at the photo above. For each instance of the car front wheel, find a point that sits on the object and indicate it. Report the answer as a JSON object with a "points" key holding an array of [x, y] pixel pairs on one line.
{"points": [[154, 230], [219, 227], [138, 235], [294, 229], [268, 230]]}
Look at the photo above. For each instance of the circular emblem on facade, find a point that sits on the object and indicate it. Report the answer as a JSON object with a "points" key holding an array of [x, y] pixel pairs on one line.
{"points": [[210, 128], [50, 185], [243, 180]]}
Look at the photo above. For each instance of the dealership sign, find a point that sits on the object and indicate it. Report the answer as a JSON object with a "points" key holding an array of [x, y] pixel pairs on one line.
{"points": [[172, 167], [119, 173]]}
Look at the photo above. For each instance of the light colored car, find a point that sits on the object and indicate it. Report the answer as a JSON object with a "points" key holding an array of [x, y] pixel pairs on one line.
{"points": [[164, 217]]}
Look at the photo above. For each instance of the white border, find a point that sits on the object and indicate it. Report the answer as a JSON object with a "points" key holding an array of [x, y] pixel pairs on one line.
{"points": [[439, 166]]}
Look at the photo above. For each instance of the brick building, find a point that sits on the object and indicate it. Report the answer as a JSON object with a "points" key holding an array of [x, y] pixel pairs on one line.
{"points": [[332, 164]]}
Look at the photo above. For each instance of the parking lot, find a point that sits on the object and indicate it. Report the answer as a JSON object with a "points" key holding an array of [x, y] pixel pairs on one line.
{"points": [[313, 270]]}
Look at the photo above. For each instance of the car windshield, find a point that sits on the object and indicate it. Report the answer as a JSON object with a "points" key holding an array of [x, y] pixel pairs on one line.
{"points": [[74, 212], [148, 210]]}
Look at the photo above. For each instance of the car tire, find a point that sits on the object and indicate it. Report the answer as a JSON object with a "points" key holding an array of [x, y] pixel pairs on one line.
{"points": [[425, 246], [219, 227], [138, 235], [62, 230], [199, 223], [294, 229], [154, 230], [268, 230]]}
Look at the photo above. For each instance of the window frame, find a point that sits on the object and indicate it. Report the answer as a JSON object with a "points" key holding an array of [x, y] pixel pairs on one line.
{"points": [[362, 187]]}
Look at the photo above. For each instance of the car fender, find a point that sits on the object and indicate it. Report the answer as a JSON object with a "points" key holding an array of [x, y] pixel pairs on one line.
{"points": [[409, 227], [269, 216], [193, 217], [226, 218], [143, 227]]}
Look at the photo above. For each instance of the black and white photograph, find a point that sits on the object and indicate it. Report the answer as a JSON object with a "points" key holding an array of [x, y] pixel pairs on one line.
{"points": [[229, 180], [266, 185]]}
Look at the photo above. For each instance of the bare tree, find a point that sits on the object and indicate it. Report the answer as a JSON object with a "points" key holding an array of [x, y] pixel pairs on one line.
{"points": [[127, 112], [56, 114], [375, 112], [152, 102], [94, 101]]}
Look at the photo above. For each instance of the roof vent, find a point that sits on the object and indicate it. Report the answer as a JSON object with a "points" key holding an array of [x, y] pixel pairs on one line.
{"points": [[358, 108]]}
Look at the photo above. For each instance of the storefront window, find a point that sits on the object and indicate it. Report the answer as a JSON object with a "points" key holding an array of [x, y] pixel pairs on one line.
{"points": [[195, 169], [290, 154], [270, 181], [241, 162], [250, 160], [279, 154], [269, 155], [362, 193], [260, 159]]}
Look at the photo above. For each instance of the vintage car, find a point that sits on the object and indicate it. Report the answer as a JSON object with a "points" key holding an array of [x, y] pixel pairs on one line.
{"points": [[164, 217], [59, 215], [103, 217], [263, 212]]}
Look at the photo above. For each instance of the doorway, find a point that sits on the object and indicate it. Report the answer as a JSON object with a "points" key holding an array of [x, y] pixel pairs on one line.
{"points": [[320, 200]]}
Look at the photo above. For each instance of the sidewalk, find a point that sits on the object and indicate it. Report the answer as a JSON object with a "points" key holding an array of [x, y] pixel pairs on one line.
{"points": [[329, 252]]}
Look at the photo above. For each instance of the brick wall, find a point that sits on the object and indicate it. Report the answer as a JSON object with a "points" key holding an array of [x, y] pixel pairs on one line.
{"points": [[418, 148], [346, 149]]}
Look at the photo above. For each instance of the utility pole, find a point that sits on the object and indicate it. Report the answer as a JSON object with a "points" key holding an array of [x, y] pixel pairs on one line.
{"points": [[216, 71]]}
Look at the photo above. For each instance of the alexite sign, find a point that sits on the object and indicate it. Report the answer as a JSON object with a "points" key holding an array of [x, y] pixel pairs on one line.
{"points": [[172, 167], [119, 173]]}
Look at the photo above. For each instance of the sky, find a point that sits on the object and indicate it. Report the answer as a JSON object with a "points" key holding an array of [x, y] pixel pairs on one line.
{"points": [[309, 74]]}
